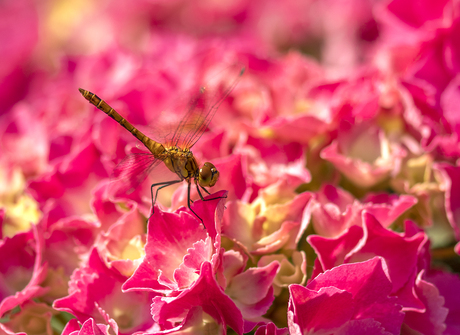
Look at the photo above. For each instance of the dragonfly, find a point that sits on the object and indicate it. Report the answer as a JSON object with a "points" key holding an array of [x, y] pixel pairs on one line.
{"points": [[175, 152]]}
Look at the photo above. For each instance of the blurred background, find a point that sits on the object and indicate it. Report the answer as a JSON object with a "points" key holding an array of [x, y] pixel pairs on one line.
{"points": [[308, 60]]}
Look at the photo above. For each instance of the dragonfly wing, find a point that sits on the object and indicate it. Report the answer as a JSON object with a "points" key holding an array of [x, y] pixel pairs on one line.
{"points": [[133, 170], [203, 106]]}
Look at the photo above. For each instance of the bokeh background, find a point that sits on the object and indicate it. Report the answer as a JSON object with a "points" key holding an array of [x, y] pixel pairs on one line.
{"points": [[346, 101]]}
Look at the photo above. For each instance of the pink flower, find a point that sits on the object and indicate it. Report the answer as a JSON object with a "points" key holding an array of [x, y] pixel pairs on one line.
{"points": [[451, 176], [447, 285], [420, 43], [412, 15], [335, 210], [271, 329], [89, 327], [364, 154], [354, 141], [358, 244], [68, 242], [269, 162], [290, 272], [204, 295], [19, 36], [274, 220], [25, 141], [172, 260], [252, 291], [2, 217], [105, 208], [22, 269], [33, 318], [70, 182], [432, 319], [351, 298], [95, 292], [410, 27], [123, 244], [286, 110]]}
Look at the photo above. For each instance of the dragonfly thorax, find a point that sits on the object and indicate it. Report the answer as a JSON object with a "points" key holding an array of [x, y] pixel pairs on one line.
{"points": [[208, 175], [181, 162]]}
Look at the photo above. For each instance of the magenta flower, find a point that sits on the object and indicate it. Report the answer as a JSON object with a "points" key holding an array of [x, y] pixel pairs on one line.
{"points": [[19, 32], [432, 320], [89, 327], [123, 244], [95, 292], [294, 272], [446, 285], [34, 318], [252, 292], [204, 295], [336, 209], [275, 220], [271, 329], [25, 141], [365, 157], [451, 175], [372, 240], [70, 181], [22, 271], [176, 264], [357, 296]]}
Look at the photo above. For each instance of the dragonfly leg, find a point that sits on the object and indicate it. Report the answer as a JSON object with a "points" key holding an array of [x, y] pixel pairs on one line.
{"points": [[162, 185], [188, 202], [198, 189], [201, 196], [204, 189]]}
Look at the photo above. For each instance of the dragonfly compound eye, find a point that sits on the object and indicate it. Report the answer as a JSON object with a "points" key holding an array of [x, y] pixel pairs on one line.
{"points": [[208, 175]]}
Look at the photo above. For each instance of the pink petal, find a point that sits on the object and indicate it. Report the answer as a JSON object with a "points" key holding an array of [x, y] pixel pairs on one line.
{"points": [[168, 238], [357, 291], [431, 320], [95, 293], [401, 257], [271, 329], [334, 210], [417, 13], [251, 286], [70, 327], [355, 245], [451, 175], [332, 252], [312, 310], [19, 30], [23, 266], [90, 327], [448, 285], [386, 208], [205, 293], [186, 273]]}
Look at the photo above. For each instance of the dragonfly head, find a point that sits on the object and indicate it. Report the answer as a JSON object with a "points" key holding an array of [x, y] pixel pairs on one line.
{"points": [[208, 175]]}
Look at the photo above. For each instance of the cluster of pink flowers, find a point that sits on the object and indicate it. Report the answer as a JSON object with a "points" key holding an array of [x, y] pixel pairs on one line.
{"points": [[338, 152]]}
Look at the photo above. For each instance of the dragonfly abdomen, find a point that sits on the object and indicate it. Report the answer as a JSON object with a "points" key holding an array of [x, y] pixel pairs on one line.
{"points": [[155, 148]]}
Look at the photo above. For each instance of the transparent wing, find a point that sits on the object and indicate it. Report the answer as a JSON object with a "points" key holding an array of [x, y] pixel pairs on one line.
{"points": [[133, 170], [203, 106]]}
